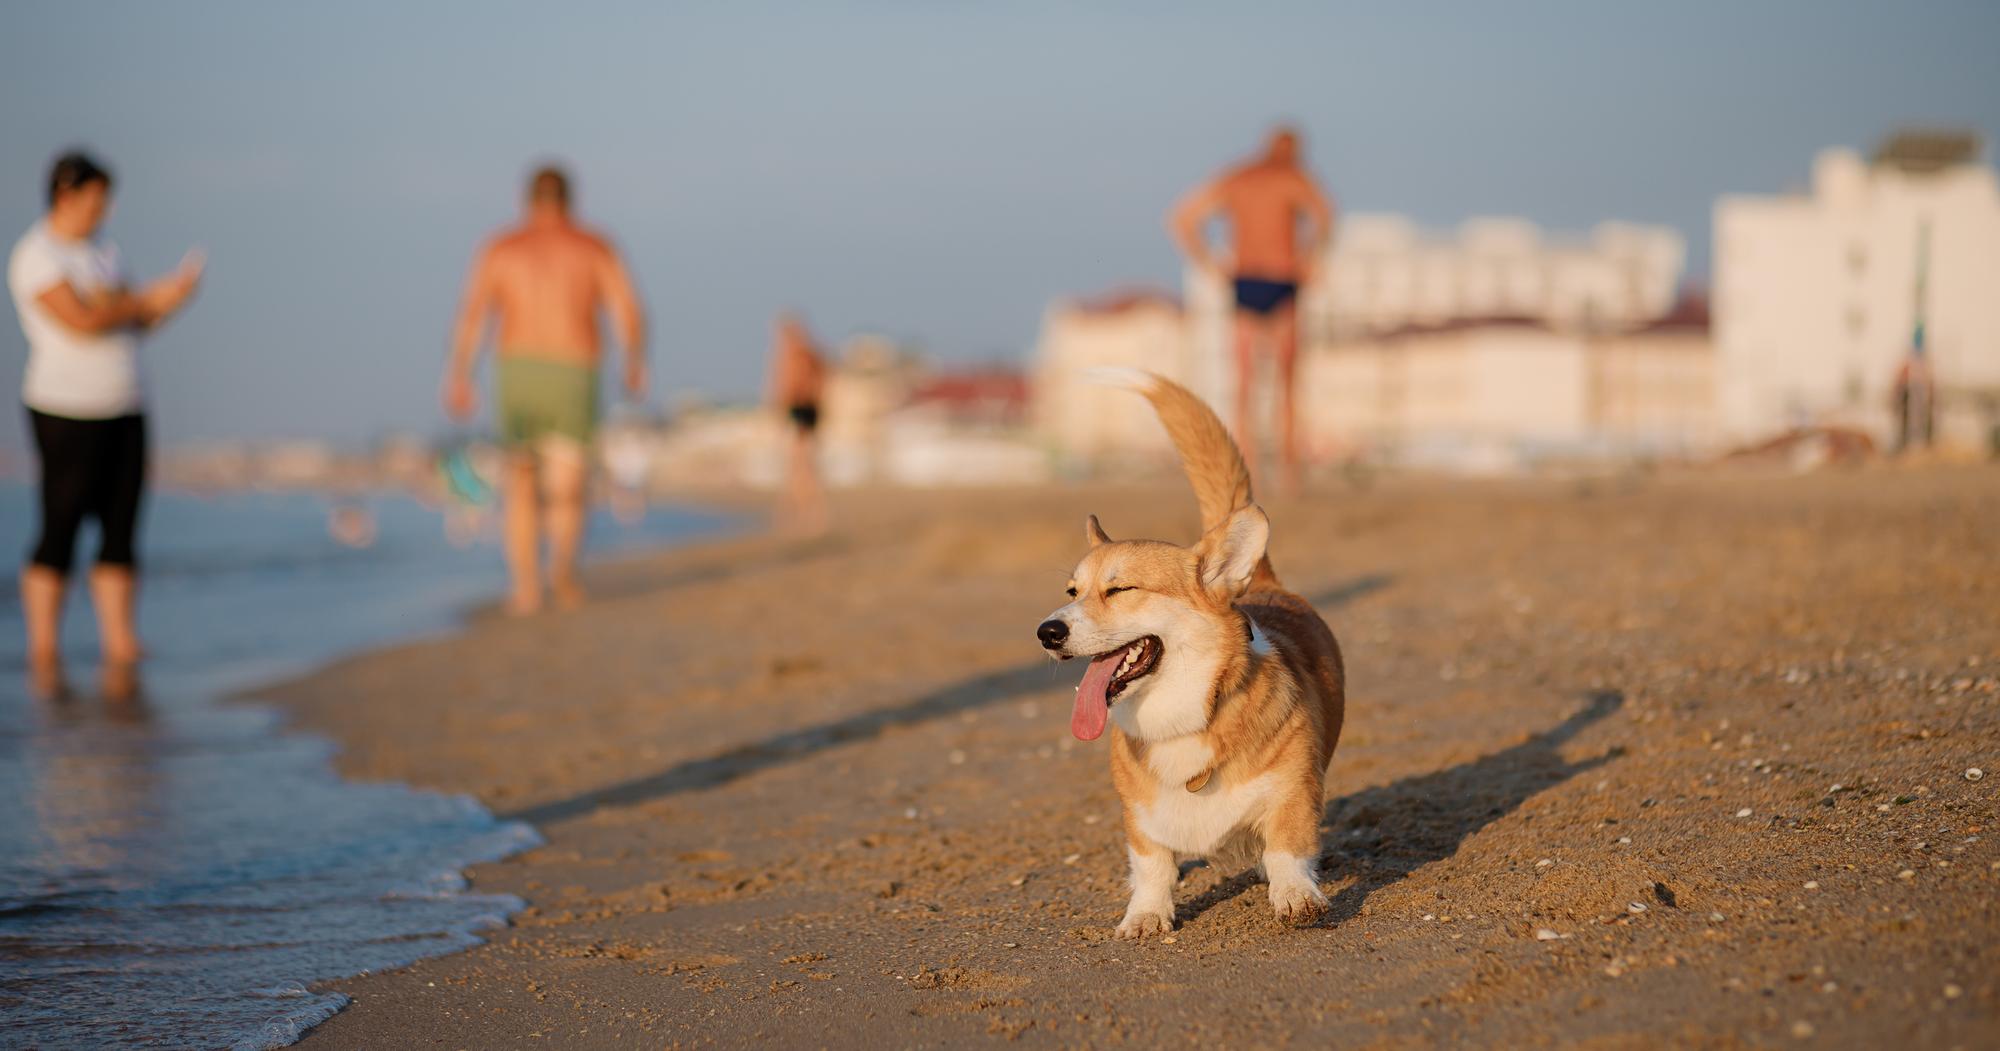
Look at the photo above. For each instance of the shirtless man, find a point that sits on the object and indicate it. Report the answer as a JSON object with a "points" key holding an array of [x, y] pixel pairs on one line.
{"points": [[547, 279], [1263, 200], [797, 384]]}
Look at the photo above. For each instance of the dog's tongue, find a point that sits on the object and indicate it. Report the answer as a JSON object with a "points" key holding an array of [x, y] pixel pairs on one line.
{"points": [[1087, 721]]}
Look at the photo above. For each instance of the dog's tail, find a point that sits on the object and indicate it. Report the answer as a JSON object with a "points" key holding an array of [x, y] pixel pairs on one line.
{"points": [[1214, 465]]}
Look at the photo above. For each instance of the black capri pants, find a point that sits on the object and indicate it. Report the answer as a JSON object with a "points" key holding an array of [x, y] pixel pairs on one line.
{"points": [[90, 469]]}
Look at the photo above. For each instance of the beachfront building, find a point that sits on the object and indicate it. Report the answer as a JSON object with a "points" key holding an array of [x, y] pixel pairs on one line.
{"points": [[1085, 423], [1499, 344], [964, 427], [888, 417], [1492, 395], [1652, 386], [1498, 347], [1817, 293], [869, 377], [1384, 273], [717, 447], [708, 446]]}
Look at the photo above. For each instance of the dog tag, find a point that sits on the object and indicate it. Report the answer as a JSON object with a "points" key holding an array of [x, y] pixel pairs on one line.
{"points": [[1196, 782]]}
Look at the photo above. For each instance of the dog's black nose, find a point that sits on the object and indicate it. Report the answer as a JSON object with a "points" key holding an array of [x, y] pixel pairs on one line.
{"points": [[1052, 633]]}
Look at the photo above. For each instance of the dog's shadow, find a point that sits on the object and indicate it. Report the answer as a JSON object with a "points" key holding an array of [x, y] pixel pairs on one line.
{"points": [[1380, 835], [799, 743]]}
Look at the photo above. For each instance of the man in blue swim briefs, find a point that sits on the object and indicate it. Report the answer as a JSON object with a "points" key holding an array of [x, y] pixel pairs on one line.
{"points": [[1264, 200]]}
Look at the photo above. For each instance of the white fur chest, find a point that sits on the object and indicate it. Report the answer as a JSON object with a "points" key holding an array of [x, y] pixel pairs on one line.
{"points": [[1178, 760], [1197, 822]]}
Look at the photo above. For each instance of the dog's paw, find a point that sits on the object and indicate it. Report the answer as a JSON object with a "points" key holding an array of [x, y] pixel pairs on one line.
{"points": [[1298, 904], [1140, 924]]}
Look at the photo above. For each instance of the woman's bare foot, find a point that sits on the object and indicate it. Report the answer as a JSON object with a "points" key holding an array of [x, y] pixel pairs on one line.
{"points": [[45, 676], [121, 681]]}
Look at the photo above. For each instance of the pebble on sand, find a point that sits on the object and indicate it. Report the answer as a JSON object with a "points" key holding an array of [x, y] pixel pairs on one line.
{"points": [[1812, 884], [1547, 935], [1745, 812], [1973, 773], [1907, 874], [1802, 1029], [1952, 991]]}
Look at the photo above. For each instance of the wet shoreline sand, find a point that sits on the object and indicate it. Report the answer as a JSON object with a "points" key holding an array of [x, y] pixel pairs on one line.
{"points": [[823, 794]]}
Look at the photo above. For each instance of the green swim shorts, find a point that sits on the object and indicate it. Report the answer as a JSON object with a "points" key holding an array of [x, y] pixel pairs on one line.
{"points": [[542, 398]]}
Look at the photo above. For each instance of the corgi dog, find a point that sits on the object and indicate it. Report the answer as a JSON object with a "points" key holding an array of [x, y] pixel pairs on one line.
{"points": [[1224, 692]]}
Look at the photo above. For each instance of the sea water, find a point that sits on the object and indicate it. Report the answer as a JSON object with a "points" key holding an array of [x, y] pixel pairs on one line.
{"points": [[181, 870]]}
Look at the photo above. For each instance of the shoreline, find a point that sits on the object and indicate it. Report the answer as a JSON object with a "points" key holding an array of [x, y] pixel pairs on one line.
{"points": [[451, 623], [793, 790]]}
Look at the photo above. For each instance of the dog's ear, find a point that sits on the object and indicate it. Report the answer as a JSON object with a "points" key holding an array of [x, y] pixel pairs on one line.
{"points": [[1094, 532], [1230, 552]]}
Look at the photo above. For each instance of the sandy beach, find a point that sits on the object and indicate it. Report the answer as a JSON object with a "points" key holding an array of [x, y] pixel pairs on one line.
{"points": [[1644, 762]]}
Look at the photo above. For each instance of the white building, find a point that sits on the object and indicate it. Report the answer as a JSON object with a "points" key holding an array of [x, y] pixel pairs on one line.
{"points": [[1815, 292], [965, 429], [1086, 422], [1487, 396], [888, 417], [1496, 345], [1384, 273], [868, 378]]}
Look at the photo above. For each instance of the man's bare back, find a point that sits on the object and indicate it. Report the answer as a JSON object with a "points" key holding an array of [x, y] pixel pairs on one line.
{"points": [[1263, 204], [546, 278], [1263, 201], [547, 282]]}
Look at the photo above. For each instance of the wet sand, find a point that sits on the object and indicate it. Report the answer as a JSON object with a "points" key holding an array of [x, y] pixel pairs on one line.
{"points": [[804, 795]]}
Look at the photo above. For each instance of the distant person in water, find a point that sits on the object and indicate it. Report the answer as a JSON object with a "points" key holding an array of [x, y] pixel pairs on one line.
{"points": [[86, 400], [547, 279], [798, 382], [1264, 200]]}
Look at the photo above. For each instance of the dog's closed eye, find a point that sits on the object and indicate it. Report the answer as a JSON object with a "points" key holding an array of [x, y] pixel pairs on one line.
{"points": [[1108, 592]]}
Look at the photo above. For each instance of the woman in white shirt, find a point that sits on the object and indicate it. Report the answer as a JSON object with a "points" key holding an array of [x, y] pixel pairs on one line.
{"points": [[86, 405]]}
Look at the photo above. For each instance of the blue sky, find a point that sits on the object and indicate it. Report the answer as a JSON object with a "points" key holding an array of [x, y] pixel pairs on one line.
{"points": [[938, 171]]}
